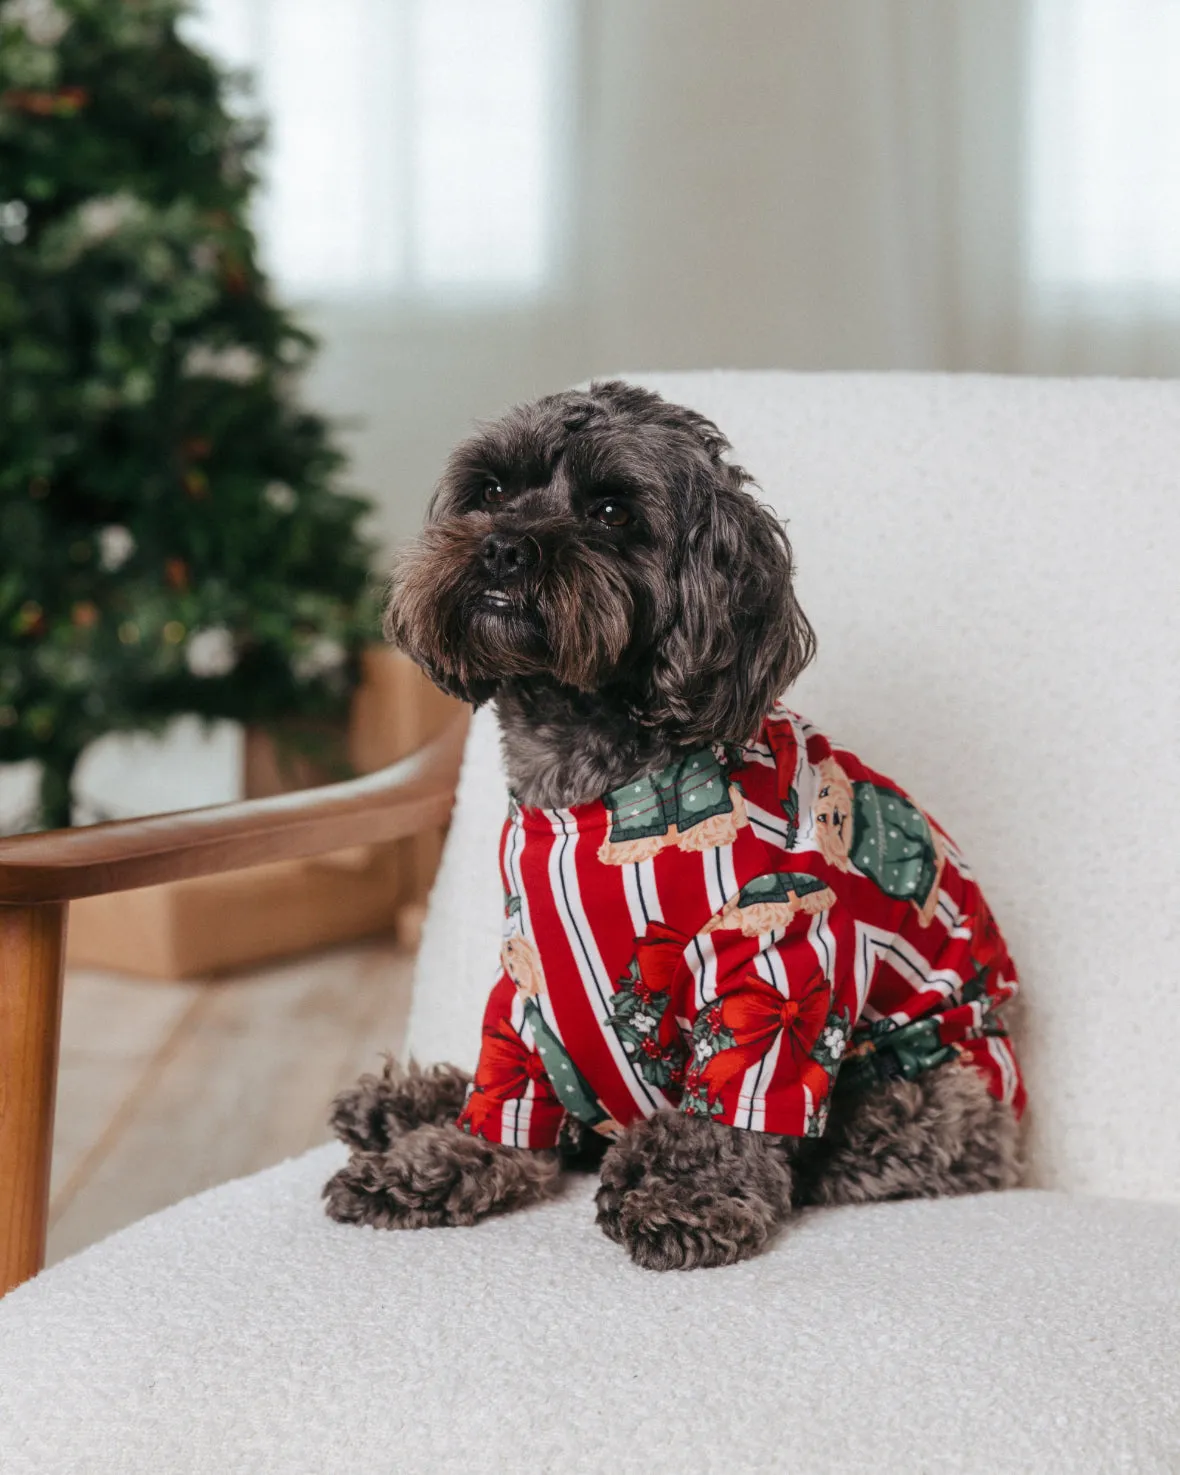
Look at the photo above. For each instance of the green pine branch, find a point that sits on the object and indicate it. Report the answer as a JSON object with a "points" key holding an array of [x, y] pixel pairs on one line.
{"points": [[173, 534]]}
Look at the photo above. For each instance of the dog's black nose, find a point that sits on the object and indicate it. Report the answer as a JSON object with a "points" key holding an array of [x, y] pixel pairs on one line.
{"points": [[505, 557]]}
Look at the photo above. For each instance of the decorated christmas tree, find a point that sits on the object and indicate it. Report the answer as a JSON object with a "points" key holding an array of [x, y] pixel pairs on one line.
{"points": [[172, 539]]}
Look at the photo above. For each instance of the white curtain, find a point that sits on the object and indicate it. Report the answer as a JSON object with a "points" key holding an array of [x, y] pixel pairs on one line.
{"points": [[1102, 186], [413, 143]]}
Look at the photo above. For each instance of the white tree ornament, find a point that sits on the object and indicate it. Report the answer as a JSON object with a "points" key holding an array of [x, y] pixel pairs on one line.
{"points": [[320, 657], [41, 20], [211, 652], [115, 546]]}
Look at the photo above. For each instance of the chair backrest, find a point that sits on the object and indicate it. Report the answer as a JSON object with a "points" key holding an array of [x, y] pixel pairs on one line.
{"points": [[992, 567]]}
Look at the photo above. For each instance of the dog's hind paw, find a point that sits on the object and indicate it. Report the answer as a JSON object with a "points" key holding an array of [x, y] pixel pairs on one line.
{"points": [[371, 1115]]}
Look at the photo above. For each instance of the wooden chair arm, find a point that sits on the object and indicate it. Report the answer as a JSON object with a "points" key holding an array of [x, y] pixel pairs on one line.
{"points": [[400, 800], [41, 874]]}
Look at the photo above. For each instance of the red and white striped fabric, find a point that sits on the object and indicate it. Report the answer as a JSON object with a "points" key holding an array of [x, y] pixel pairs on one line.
{"points": [[728, 937]]}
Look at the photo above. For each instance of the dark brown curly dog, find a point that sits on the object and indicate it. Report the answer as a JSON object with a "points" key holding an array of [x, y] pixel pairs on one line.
{"points": [[615, 645]]}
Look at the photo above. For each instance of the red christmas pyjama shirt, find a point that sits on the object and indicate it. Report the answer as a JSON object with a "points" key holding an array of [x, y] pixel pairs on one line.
{"points": [[728, 937]]}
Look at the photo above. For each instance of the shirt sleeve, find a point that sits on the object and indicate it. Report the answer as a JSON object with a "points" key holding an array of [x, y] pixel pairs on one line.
{"points": [[768, 1036], [511, 1100]]}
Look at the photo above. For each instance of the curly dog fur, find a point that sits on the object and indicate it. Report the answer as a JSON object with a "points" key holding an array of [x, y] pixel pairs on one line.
{"points": [[411, 1167], [435, 1176], [378, 1109], [680, 1192], [611, 650], [935, 1137]]}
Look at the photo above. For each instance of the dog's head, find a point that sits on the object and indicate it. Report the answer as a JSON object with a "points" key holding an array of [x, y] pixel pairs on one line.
{"points": [[600, 541]]}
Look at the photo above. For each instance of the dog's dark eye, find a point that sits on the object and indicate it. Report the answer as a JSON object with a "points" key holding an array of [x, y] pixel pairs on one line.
{"points": [[491, 492], [613, 514]]}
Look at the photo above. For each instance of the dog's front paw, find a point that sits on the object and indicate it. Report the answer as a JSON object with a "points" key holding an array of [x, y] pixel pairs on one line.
{"points": [[371, 1115], [679, 1192], [435, 1176], [667, 1225]]}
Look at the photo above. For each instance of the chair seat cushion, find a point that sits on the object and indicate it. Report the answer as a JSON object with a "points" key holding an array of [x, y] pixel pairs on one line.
{"points": [[243, 1331]]}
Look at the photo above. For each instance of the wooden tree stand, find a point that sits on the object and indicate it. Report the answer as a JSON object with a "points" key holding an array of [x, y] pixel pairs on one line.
{"points": [[213, 924]]}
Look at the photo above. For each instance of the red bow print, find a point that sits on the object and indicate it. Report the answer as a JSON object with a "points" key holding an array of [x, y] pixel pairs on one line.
{"points": [[506, 1067], [660, 954], [756, 1014]]}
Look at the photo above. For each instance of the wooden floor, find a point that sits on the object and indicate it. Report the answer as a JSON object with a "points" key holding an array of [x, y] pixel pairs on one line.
{"points": [[168, 1088]]}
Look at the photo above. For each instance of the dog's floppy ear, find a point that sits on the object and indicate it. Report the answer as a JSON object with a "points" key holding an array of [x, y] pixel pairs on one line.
{"points": [[738, 638], [474, 692]]}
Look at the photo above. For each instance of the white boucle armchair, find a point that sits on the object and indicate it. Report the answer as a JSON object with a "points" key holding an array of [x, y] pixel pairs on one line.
{"points": [[991, 567]]}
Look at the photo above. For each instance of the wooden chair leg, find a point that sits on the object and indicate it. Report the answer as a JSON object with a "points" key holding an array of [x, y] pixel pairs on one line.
{"points": [[32, 953]]}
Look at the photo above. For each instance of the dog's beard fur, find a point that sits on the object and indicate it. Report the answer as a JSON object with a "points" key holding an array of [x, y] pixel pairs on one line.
{"points": [[438, 614], [609, 653]]}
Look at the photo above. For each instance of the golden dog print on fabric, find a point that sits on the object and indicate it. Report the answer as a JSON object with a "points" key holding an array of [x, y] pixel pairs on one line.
{"points": [[880, 833], [771, 903]]}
